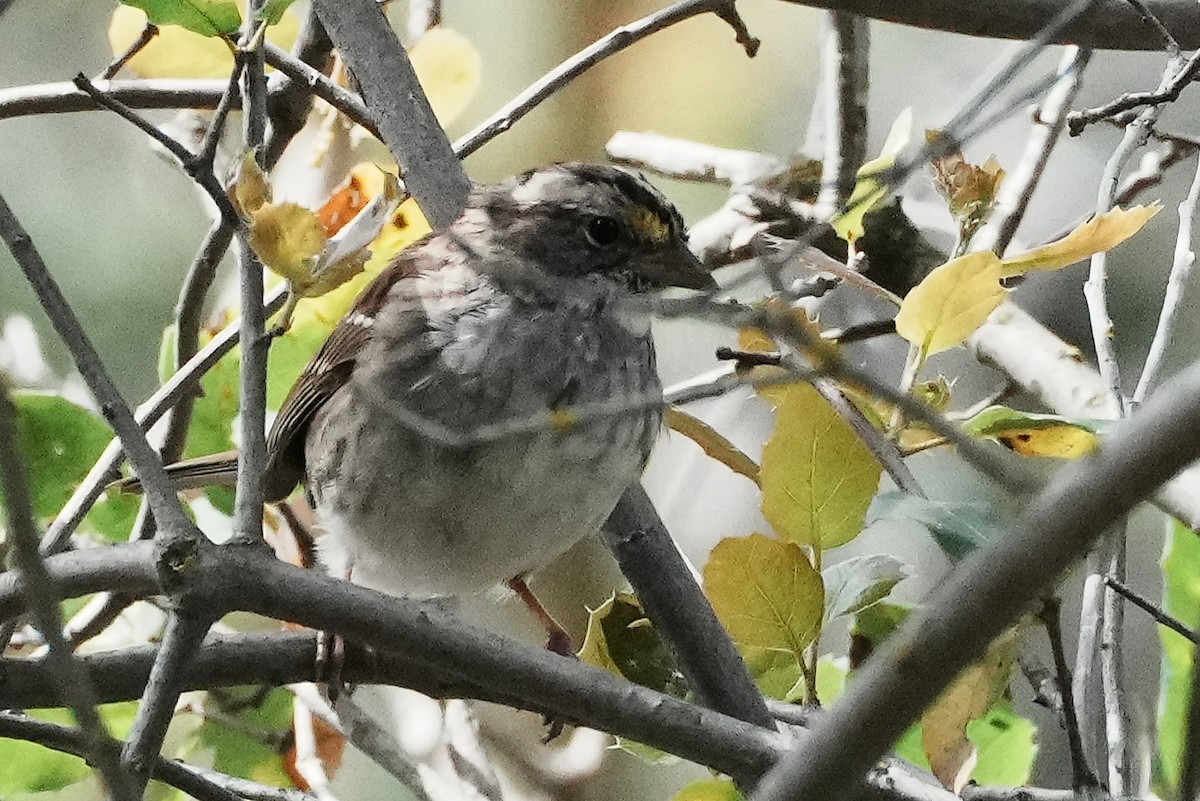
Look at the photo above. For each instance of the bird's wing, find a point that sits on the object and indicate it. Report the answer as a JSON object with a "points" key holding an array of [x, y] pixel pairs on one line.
{"points": [[329, 370]]}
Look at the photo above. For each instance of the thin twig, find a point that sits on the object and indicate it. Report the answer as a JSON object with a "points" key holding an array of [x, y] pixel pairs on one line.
{"points": [[1181, 74], [364, 733], [252, 397], [207, 155], [844, 80], [104, 470], [180, 642], [667, 586], [64, 97], [1112, 675], [404, 118], [204, 785], [1083, 778], [144, 38], [1154, 610], [883, 449], [167, 509], [73, 684], [1155, 24], [1018, 187], [1181, 270], [199, 172], [592, 55], [319, 84]]}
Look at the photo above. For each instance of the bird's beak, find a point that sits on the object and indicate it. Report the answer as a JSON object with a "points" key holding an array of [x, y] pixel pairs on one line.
{"points": [[677, 266]]}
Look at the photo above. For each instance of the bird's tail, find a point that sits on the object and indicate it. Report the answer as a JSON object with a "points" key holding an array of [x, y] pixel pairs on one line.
{"points": [[214, 470]]}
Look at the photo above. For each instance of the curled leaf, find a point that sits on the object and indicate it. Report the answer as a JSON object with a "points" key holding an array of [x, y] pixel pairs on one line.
{"points": [[868, 191], [1102, 232], [1035, 434], [712, 442]]}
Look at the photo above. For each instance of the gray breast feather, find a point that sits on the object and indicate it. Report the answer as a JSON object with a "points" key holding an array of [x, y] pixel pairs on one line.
{"points": [[451, 349]]}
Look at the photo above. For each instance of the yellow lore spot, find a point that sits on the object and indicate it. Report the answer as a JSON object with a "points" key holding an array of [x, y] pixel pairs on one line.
{"points": [[650, 225]]}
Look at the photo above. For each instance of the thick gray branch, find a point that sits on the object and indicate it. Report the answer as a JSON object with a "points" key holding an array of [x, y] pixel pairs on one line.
{"points": [[1114, 24]]}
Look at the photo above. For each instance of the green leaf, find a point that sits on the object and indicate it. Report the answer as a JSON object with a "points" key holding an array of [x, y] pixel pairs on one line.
{"points": [[1035, 434], [868, 192], [272, 10], [957, 528], [1181, 599], [776, 673], [240, 743], [860, 581], [205, 17], [1007, 745], [709, 790], [60, 441], [29, 768], [621, 639], [872, 626], [765, 592], [817, 476]]}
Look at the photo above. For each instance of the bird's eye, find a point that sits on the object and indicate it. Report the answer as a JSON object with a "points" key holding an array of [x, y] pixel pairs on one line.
{"points": [[603, 231]]}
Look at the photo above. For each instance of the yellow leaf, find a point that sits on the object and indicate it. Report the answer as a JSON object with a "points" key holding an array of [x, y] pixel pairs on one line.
{"points": [[449, 68], [818, 478], [1034, 434], [406, 226], [711, 441], [1102, 232], [179, 53], [952, 756], [286, 236], [951, 302], [709, 790], [765, 592], [868, 192], [250, 190]]}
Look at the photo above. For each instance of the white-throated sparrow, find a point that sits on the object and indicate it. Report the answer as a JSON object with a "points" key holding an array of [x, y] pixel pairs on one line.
{"points": [[513, 311]]}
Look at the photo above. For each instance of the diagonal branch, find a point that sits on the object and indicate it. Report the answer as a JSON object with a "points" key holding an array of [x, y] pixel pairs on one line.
{"points": [[592, 55], [160, 494], [72, 685]]}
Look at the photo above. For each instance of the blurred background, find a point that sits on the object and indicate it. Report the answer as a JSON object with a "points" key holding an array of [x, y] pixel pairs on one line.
{"points": [[119, 226]]}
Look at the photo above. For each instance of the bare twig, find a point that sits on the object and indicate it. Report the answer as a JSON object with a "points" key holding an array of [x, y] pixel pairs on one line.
{"points": [[158, 487], [1181, 270], [201, 784], [1154, 610], [339, 97], [667, 587], [1148, 18], [182, 639], [252, 398], [1115, 25], [198, 171], [364, 733], [74, 688], [686, 160], [844, 78], [1083, 777], [402, 113], [105, 468], [1112, 674], [1181, 74], [1018, 187], [65, 97], [144, 38], [593, 54], [883, 449]]}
